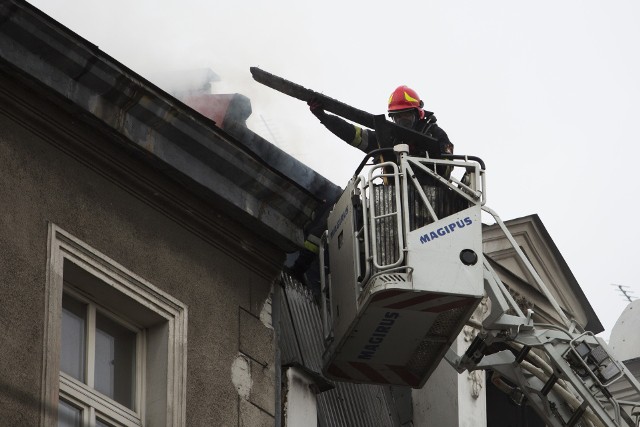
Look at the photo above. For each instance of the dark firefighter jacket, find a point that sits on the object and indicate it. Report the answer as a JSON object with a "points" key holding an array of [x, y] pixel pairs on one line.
{"points": [[365, 139]]}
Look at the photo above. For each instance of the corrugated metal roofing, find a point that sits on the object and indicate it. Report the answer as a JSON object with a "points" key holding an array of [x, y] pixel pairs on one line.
{"points": [[301, 341]]}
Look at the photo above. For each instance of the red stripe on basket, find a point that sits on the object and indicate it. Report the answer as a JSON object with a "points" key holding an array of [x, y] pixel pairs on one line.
{"points": [[413, 301], [406, 376], [386, 294], [369, 372], [449, 306]]}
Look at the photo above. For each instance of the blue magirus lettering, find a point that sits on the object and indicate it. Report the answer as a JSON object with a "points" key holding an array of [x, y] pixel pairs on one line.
{"points": [[379, 334], [447, 229]]}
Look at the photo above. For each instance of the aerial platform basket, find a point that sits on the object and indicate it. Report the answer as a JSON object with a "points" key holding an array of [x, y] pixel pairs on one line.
{"points": [[404, 270]]}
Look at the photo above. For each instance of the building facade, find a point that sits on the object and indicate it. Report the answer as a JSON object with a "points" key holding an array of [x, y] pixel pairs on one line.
{"points": [[142, 243]]}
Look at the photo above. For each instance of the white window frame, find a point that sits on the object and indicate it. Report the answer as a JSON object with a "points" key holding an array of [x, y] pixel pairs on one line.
{"points": [[90, 413], [171, 411], [74, 390]]}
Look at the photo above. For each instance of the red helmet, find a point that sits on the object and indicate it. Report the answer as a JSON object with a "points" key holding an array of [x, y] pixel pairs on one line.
{"points": [[405, 98]]}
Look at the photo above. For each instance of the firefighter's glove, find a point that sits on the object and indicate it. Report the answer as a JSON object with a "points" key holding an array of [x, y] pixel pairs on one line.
{"points": [[317, 109], [446, 148]]}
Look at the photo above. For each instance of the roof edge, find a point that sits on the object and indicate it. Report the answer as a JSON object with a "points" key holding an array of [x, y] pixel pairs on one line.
{"points": [[153, 122]]}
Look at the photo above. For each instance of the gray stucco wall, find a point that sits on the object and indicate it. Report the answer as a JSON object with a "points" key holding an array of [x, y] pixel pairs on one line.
{"points": [[44, 180]]}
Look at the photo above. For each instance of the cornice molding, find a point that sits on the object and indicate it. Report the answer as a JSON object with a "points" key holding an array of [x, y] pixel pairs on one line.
{"points": [[127, 172], [163, 131]]}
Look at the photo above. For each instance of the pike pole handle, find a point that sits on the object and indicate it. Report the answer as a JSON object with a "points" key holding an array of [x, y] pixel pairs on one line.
{"points": [[299, 92]]}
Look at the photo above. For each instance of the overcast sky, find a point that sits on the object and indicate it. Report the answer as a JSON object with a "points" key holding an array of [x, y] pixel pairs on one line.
{"points": [[546, 92]]}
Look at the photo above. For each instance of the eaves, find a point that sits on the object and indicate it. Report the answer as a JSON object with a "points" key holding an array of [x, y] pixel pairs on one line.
{"points": [[156, 127]]}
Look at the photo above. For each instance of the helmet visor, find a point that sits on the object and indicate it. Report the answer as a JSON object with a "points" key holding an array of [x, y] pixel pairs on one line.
{"points": [[405, 118]]}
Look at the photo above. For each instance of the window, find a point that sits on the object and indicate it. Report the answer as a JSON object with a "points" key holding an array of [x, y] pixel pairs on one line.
{"points": [[99, 352], [115, 347]]}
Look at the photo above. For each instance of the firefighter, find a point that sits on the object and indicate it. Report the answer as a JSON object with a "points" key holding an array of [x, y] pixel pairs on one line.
{"points": [[405, 109]]}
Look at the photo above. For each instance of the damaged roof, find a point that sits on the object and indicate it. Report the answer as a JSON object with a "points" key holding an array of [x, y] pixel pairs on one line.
{"points": [[251, 180]]}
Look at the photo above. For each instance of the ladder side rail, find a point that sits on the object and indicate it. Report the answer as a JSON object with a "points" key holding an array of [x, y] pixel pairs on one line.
{"points": [[476, 166], [628, 418], [501, 303], [588, 337], [399, 218], [476, 176], [630, 378], [584, 391], [625, 373], [476, 195], [372, 209], [547, 341], [397, 214], [466, 188], [364, 232], [556, 343], [550, 404], [479, 176], [404, 174], [522, 332], [596, 380], [532, 270], [419, 163], [411, 176], [503, 290]]}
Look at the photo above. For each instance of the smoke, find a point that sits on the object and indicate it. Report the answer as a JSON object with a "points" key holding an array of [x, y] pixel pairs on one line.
{"points": [[171, 45], [549, 111], [191, 45]]}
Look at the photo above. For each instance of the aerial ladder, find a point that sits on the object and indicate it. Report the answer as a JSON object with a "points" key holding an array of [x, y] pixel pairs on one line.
{"points": [[402, 271]]}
